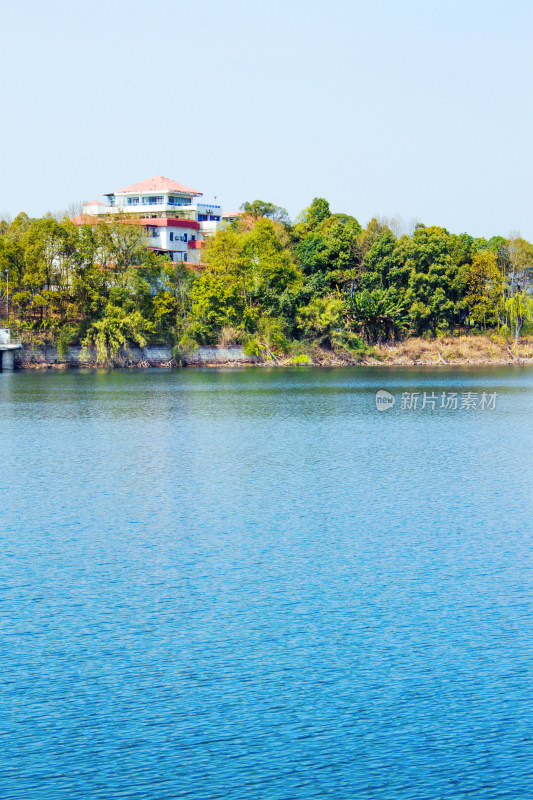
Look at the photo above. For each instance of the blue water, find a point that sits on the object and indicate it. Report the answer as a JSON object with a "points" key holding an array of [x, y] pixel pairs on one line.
{"points": [[252, 584]]}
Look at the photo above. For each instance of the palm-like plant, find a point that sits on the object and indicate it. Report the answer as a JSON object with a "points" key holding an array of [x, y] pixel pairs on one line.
{"points": [[380, 315]]}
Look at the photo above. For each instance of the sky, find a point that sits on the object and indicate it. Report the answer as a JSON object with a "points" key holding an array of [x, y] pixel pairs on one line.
{"points": [[418, 110]]}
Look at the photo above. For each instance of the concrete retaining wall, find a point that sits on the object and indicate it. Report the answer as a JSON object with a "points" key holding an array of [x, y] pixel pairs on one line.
{"points": [[220, 355], [7, 360], [152, 356]]}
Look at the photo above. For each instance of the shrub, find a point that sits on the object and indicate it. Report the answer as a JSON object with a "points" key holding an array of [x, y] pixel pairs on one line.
{"points": [[252, 348], [271, 331], [185, 344], [64, 340], [229, 335], [302, 359]]}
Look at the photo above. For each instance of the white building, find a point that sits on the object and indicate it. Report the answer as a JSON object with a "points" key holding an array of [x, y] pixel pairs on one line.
{"points": [[176, 222], [232, 216]]}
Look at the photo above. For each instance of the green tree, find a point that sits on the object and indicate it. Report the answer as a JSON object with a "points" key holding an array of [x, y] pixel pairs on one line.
{"points": [[317, 213], [269, 265], [520, 309], [323, 319], [114, 332], [312, 217], [484, 289], [216, 302], [259, 208], [330, 248], [520, 273], [379, 314], [383, 265]]}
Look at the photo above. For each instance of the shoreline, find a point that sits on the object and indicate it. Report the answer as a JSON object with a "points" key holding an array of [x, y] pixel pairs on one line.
{"points": [[282, 364], [476, 350]]}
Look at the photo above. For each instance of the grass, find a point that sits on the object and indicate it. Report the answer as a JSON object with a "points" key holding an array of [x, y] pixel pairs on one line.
{"points": [[469, 349]]}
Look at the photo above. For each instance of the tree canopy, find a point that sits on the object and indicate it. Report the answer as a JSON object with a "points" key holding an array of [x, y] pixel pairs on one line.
{"points": [[263, 282]]}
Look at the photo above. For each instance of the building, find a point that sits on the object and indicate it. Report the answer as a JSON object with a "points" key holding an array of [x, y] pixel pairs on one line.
{"points": [[232, 216], [176, 222]]}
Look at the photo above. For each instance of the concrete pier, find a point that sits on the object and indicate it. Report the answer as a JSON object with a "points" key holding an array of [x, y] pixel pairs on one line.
{"points": [[7, 351]]}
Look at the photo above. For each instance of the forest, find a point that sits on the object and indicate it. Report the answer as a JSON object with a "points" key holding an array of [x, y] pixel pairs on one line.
{"points": [[322, 282]]}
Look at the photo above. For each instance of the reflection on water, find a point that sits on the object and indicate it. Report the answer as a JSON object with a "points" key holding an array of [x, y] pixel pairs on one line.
{"points": [[251, 584]]}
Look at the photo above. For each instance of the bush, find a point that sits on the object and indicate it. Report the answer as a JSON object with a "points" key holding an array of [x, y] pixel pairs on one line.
{"points": [[67, 334], [252, 348], [271, 330], [348, 340], [229, 336], [301, 360], [185, 344]]}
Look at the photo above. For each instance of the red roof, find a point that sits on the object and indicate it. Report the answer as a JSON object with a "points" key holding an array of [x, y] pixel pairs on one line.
{"points": [[158, 184], [93, 203], [84, 219]]}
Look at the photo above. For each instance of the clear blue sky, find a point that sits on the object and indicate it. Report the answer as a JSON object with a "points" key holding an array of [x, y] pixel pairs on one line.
{"points": [[422, 109]]}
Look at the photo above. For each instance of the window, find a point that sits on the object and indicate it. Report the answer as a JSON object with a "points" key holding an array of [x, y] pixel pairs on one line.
{"points": [[133, 201], [154, 201], [184, 237], [171, 236], [193, 238], [185, 256]]}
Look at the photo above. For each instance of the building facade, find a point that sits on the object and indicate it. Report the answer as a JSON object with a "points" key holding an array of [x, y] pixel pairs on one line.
{"points": [[175, 220]]}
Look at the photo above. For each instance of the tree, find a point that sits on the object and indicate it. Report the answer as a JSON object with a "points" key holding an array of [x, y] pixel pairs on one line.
{"points": [[322, 319], [258, 268], [330, 247], [312, 217], [484, 288], [317, 212], [379, 314], [270, 266], [216, 302], [259, 208], [521, 265], [341, 233], [114, 332], [520, 309], [380, 261], [431, 257], [311, 254]]}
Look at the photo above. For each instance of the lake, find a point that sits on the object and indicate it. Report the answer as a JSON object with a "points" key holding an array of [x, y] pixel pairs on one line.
{"points": [[254, 584]]}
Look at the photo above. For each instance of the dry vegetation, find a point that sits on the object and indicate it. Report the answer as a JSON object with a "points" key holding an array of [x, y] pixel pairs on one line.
{"points": [[469, 349], [473, 349]]}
